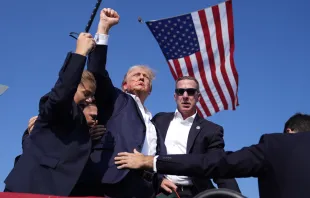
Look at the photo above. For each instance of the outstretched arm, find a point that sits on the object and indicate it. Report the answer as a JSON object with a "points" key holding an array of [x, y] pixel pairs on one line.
{"points": [[247, 162], [58, 102], [105, 95]]}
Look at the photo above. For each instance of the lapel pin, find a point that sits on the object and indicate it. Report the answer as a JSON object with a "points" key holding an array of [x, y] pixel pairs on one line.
{"points": [[198, 127]]}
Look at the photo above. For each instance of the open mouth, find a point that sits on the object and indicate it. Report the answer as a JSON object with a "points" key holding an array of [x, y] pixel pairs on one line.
{"points": [[186, 104]]}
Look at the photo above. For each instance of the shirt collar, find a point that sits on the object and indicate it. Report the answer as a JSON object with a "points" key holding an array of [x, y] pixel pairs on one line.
{"points": [[138, 101], [190, 119]]}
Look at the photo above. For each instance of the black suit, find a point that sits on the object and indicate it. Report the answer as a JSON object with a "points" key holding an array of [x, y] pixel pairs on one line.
{"points": [[56, 151], [204, 136], [280, 162]]}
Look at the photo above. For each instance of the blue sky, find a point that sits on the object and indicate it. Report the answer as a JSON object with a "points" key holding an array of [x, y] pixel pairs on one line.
{"points": [[272, 42]]}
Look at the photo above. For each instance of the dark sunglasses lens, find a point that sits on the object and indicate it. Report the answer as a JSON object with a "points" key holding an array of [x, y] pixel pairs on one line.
{"points": [[191, 92], [179, 92]]}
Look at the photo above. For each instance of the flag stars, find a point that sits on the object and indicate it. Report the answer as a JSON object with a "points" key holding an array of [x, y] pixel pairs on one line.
{"points": [[176, 36]]}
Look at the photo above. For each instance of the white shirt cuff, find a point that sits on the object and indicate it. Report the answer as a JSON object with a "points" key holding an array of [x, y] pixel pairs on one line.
{"points": [[101, 39], [154, 163]]}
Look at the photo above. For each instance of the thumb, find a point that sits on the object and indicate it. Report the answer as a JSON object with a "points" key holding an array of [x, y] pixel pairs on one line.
{"points": [[135, 151]]}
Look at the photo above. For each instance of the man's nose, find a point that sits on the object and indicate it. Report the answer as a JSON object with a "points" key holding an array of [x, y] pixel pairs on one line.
{"points": [[185, 94], [141, 77]]}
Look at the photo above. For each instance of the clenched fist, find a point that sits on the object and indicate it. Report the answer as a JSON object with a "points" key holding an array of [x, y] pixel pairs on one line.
{"points": [[108, 18], [85, 44], [97, 131]]}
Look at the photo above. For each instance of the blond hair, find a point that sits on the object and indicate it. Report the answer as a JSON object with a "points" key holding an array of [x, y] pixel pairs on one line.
{"points": [[88, 77]]}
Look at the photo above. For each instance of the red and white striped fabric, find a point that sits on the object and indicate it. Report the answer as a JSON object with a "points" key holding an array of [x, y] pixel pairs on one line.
{"points": [[201, 44]]}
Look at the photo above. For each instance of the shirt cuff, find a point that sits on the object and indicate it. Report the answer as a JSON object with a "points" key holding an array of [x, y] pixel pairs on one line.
{"points": [[101, 39], [154, 163]]}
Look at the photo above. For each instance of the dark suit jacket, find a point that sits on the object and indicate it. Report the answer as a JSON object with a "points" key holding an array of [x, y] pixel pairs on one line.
{"points": [[59, 144], [120, 114], [203, 136], [280, 162]]}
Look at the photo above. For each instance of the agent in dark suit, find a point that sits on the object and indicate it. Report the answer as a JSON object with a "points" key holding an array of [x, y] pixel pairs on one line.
{"points": [[186, 132], [128, 124], [59, 145], [90, 112], [280, 162]]}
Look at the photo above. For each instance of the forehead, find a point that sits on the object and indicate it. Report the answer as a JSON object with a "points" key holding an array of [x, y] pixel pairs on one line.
{"points": [[89, 86], [186, 84]]}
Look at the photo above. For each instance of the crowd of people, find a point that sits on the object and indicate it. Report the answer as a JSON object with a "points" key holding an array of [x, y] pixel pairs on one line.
{"points": [[91, 138]]}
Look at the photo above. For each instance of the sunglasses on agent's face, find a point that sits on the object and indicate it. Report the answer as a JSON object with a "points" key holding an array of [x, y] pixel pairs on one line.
{"points": [[189, 91]]}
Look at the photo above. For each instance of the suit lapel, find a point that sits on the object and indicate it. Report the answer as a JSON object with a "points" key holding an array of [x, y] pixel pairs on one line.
{"points": [[194, 131], [165, 124]]}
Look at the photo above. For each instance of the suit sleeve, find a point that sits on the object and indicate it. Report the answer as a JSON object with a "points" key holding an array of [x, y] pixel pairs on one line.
{"points": [[161, 149], [106, 92], [247, 162], [217, 144], [58, 102]]}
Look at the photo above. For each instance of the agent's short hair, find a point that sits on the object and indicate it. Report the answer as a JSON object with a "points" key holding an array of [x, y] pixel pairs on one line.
{"points": [[88, 77], [187, 78], [298, 123]]}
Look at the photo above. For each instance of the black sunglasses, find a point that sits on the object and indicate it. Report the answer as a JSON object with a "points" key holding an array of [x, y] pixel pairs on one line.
{"points": [[190, 91]]}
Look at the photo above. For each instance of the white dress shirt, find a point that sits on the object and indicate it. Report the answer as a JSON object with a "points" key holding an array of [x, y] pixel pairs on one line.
{"points": [[176, 143], [150, 140]]}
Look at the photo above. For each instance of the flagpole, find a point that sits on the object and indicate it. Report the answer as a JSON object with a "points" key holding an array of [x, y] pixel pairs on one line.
{"points": [[90, 21]]}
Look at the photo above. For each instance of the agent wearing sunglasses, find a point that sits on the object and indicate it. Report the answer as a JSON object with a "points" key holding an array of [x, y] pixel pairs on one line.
{"points": [[186, 132]]}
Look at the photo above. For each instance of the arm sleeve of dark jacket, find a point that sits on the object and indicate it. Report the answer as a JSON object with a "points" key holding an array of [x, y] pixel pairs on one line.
{"points": [[216, 143], [58, 102], [106, 93], [162, 150], [24, 137], [247, 162]]}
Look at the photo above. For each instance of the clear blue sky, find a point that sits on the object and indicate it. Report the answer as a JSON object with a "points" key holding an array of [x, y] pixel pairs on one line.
{"points": [[272, 43]]}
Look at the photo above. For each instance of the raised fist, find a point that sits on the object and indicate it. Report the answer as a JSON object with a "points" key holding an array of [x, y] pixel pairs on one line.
{"points": [[108, 18], [85, 44]]}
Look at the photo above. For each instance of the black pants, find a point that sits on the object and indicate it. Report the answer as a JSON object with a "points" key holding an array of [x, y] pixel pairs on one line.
{"points": [[133, 185]]}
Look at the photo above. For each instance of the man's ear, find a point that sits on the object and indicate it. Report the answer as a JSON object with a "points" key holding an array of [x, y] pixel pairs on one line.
{"points": [[124, 86], [199, 96]]}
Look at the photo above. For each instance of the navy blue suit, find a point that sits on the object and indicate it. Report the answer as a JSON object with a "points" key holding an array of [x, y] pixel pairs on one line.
{"points": [[204, 136], [126, 129], [280, 162], [56, 152]]}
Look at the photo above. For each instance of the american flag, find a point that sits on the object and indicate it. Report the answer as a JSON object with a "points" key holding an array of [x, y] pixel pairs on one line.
{"points": [[201, 44]]}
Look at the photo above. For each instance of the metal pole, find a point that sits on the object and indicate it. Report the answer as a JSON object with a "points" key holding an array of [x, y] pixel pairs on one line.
{"points": [[90, 21]]}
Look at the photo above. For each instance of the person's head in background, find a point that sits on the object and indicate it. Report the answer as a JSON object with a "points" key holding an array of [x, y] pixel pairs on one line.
{"points": [[90, 111], [297, 123]]}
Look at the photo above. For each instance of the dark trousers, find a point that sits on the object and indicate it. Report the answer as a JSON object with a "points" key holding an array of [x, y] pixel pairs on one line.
{"points": [[132, 186]]}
